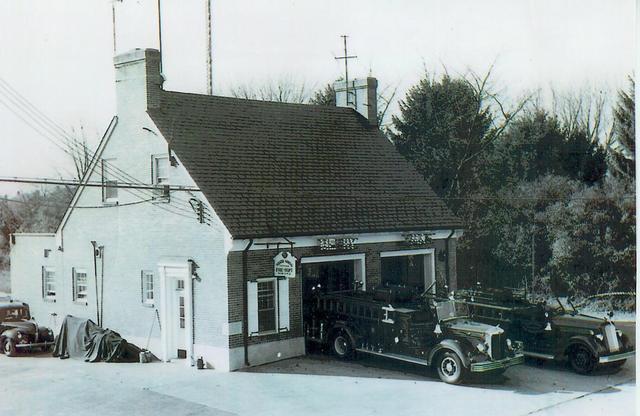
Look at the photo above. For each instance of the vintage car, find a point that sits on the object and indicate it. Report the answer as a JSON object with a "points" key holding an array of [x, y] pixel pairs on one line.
{"points": [[436, 334], [19, 332], [551, 332]]}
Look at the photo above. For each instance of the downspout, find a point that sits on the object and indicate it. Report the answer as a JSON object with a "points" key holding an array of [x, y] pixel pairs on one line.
{"points": [[446, 266], [245, 300], [193, 275], [101, 248], [95, 275]]}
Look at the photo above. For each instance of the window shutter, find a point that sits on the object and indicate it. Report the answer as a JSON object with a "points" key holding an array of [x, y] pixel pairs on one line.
{"points": [[73, 283], [283, 305], [252, 306], [142, 286], [42, 283]]}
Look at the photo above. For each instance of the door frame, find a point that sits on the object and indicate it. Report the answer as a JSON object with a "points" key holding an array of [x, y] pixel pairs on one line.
{"points": [[183, 268], [359, 269]]}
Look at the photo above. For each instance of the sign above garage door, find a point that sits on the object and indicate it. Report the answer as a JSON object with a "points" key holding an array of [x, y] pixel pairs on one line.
{"points": [[284, 265]]}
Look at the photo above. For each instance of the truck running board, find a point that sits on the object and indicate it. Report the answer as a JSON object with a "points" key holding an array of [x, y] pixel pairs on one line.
{"points": [[396, 357], [538, 355]]}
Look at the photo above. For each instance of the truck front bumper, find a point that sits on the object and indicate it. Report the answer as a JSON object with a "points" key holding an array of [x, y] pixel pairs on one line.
{"points": [[615, 357], [484, 366]]}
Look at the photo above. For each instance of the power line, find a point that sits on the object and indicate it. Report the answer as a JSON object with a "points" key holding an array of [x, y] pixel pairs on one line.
{"points": [[73, 182], [49, 204], [71, 143]]}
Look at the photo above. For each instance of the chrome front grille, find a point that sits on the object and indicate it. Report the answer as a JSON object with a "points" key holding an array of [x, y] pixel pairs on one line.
{"points": [[498, 346], [611, 338]]}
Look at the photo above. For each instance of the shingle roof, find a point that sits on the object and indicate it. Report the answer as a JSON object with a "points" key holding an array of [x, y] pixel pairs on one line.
{"points": [[273, 169]]}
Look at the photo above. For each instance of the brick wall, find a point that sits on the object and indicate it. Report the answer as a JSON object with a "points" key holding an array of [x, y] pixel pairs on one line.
{"points": [[260, 264]]}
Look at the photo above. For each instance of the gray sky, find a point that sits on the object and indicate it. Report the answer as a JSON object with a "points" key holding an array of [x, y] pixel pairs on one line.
{"points": [[58, 53]]}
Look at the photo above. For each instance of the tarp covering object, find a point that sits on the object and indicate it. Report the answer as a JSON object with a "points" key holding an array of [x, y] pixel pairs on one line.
{"points": [[82, 338]]}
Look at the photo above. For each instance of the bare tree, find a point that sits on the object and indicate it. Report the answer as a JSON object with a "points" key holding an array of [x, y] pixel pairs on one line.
{"points": [[584, 111], [282, 90]]}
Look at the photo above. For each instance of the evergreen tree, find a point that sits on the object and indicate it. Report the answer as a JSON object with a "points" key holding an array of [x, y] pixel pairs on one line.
{"points": [[622, 158], [442, 129]]}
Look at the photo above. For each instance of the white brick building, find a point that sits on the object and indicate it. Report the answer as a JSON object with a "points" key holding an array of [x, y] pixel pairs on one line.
{"points": [[263, 178]]}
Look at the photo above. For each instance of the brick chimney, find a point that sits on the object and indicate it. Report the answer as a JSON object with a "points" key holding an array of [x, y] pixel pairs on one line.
{"points": [[363, 97], [138, 80]]}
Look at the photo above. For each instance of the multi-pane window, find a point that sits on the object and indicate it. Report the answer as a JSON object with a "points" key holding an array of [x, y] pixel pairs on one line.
{"points": [[267, 306], [160, 169], [181, 310], [48, 283], [147, 287], [109, 181], [80, 288]]}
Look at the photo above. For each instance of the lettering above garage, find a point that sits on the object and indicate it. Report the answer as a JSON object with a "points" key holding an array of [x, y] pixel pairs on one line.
{"points": [[329, 244]]}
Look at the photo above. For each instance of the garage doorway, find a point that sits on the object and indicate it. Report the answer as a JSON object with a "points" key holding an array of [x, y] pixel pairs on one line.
{"points": [[330, 274], [414, 269]]}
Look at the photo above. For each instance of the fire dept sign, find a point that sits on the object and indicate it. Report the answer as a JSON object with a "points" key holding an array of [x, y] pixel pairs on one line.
{"points": [[284, 265]]}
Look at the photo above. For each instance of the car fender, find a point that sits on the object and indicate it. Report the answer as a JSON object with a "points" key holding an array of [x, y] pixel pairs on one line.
{"points": [[11, 333], [451, 345], [585, 341], [343, 326]]}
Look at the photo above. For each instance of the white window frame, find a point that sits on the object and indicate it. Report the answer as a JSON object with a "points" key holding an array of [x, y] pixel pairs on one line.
{"points": [[107, 179], [49, 281], [429, 263], [360, 272], [275, 304], [76, 292], [157, 180], [147, 286], [281, 303]]}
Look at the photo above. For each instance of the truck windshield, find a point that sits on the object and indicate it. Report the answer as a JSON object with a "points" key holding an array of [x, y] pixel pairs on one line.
{"points": [[451, 309]]}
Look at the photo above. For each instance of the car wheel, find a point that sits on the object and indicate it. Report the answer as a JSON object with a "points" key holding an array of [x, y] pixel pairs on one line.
{"points": [[450, 368], [9, 347], [341, 345], [581, 359]]}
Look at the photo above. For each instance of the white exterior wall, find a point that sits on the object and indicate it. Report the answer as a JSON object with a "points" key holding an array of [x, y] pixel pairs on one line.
{"points": [[135, 238], [27, 259]]}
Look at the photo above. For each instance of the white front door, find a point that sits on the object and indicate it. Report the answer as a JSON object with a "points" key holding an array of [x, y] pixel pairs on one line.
{"points": [[178, 319], [175, 301]]}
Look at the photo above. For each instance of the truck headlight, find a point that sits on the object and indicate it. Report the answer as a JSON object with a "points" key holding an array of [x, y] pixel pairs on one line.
{"points": [[19, 335], [509, 345], [600, 337], [481, 347]]}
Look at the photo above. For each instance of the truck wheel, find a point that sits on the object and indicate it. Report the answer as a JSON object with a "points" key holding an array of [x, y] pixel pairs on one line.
{"points": [[581, 359], [450, 368], [9, 348], [341, 345]]}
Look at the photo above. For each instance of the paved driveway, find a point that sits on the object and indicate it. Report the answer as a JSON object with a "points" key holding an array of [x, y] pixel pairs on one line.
{"points": [[41, 385]]}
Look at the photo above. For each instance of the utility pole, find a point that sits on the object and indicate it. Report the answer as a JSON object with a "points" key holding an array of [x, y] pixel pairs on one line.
{"points": [[209, 52], [160, 33], [113, 22], [346, 58]]}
